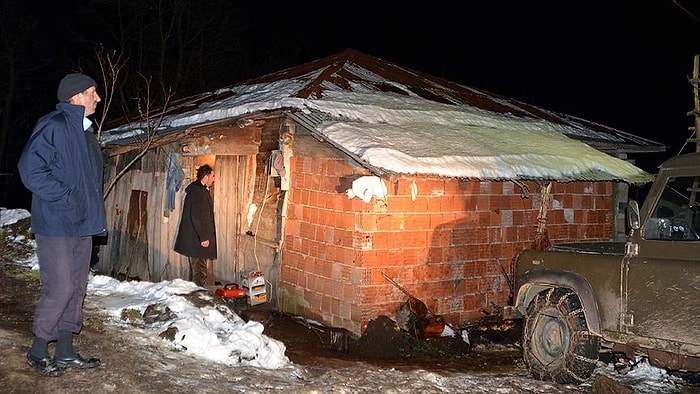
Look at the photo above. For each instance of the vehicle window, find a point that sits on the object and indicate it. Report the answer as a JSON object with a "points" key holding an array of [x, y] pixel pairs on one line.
{"points": [[677, 213]]}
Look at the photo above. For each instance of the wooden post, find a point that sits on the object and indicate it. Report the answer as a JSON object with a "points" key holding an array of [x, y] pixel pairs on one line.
{"points": [[696, 114], [696, 99], [541, 241]]}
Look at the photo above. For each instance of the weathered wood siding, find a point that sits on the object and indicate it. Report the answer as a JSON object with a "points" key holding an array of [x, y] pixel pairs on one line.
{"points": [[142, 231], [232, 193]]}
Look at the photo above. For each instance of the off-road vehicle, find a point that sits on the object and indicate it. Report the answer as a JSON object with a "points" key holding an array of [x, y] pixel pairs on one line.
{"points": [[636, 297]]}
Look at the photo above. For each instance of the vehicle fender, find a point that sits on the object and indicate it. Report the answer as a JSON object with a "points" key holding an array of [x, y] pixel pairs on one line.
{"points": [[532, 282]]}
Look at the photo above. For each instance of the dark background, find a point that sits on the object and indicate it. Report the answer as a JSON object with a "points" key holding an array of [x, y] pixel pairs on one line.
{"points": [[625, 64]]}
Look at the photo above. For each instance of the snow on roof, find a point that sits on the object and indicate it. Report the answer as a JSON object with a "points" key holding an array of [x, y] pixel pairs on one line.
{"points": [[406, 122]]}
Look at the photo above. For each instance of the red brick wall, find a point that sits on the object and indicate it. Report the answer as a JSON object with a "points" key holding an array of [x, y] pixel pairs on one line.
{"points": [[449, 247]]}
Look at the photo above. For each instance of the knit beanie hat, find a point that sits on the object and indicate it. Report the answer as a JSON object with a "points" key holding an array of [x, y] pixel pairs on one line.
{"points": [[73, 84]]}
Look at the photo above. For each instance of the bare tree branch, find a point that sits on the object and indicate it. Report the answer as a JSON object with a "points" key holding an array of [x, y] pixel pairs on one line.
{"points": [[151, 123], [686, 10], [111, 65]]}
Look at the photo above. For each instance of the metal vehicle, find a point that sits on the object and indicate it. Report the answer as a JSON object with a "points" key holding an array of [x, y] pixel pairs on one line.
{"points": [[639, 297]]}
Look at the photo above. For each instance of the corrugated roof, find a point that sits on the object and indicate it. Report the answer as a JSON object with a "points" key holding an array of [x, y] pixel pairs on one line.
{"points": [[311, 86], [348, 71]]}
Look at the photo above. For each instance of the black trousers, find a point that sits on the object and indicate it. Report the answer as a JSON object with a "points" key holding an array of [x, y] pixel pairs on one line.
{"points": [[199, 270]]}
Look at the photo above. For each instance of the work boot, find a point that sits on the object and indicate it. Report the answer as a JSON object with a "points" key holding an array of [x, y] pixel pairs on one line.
{"points": [[44, 366], [77, 362]]}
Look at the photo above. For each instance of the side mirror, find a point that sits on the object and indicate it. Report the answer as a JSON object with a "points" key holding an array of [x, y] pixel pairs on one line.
{"points": [[633, 214]]}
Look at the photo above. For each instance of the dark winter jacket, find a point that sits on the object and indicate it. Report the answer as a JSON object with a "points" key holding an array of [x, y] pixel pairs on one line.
{"points": [[197, 223], [62, 166]]}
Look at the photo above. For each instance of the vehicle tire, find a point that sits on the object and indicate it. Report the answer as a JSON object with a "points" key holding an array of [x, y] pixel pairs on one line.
{"points": [[557, 345]]}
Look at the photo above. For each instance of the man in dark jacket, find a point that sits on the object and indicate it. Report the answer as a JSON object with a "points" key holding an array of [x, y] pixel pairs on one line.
{"points": [[62, 166], [196, 237]]}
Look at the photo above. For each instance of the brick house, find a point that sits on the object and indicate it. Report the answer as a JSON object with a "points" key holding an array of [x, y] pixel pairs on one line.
{"points": [[318, 189]]}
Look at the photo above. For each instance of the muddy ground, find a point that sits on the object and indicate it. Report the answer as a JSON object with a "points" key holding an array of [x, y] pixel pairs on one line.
{"points": [[131, 367]]}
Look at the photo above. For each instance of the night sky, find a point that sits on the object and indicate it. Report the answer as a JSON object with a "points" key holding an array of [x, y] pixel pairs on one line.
{"points": [[625, 65]]}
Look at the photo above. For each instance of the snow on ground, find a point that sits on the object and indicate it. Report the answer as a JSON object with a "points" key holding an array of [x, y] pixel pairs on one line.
{"points": [[208, 332], [221, 337]]}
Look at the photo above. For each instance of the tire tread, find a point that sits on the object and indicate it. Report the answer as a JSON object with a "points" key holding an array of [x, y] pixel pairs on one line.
{"points": [[581, 355]]}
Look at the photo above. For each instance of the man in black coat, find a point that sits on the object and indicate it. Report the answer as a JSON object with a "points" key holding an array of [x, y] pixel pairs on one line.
{"points": [[196, 237]]}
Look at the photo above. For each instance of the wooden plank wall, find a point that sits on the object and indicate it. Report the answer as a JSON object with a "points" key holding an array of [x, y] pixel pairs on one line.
{"points": [[116, 258], [241, 180], [229, 202]]}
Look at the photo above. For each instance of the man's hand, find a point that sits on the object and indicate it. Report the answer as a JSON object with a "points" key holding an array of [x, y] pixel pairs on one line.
{"points": [[205, 243]]}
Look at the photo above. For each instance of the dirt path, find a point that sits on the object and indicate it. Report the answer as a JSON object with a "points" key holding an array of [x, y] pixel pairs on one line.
{"points": [[133, 367], [129, 366]]}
